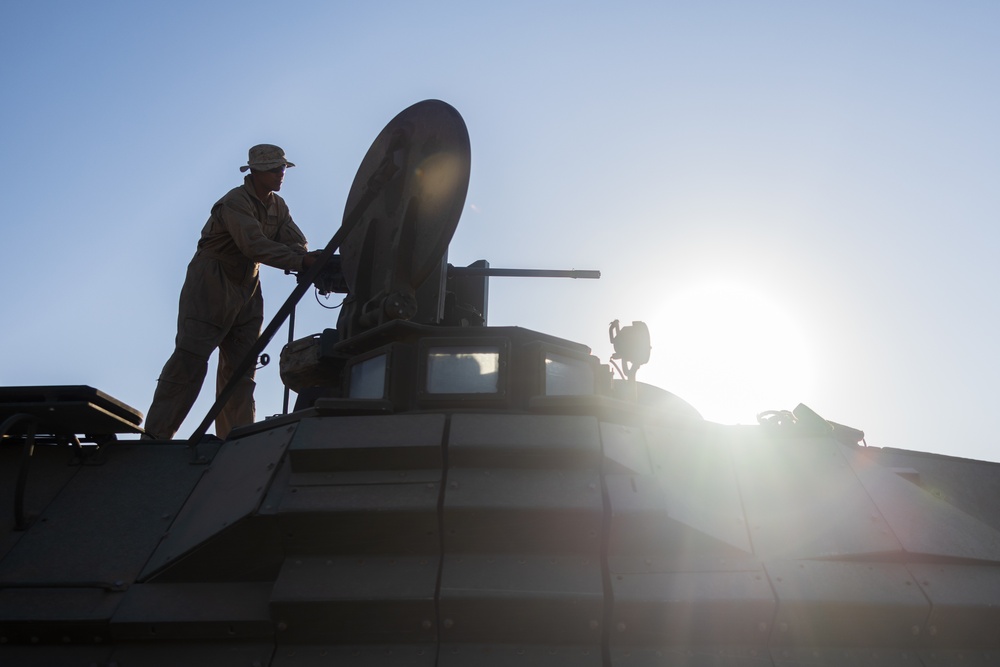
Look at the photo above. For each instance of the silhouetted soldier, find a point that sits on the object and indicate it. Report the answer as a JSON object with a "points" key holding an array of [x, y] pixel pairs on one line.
{"points": [[220, 303]]}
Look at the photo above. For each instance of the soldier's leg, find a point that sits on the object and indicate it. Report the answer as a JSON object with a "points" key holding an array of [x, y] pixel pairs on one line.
{"points": [[176, 391], [203, 315], [240, 409]]}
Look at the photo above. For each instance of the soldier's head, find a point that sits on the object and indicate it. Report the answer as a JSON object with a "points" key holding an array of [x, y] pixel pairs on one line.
{"points": [[267, 164]]}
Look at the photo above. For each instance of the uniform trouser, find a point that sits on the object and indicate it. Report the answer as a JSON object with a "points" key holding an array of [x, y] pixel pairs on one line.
{"points": [[199, 332]]}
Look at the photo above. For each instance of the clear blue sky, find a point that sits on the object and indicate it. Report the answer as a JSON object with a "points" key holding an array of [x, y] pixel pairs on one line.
{"points": [[800, 199]]}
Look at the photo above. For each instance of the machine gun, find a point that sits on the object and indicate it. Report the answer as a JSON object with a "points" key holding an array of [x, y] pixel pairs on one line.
{"points": [[462, 300]]}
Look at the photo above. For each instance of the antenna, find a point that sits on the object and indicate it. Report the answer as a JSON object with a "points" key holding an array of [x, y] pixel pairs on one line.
{"points": [[402, 241]]}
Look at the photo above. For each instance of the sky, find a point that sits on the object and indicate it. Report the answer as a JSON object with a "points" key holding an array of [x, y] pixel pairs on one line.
{"points": [[800, 200]]}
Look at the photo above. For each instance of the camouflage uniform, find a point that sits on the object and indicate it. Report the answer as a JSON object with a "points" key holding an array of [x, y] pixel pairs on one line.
{"points": [[221, 306]]}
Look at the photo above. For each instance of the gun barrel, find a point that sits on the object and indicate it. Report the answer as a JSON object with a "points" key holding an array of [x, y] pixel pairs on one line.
{"points": [[476, 272]]}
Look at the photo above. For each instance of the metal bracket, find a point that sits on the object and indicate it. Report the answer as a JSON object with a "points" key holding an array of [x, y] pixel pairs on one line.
{"points": [[32, 422]]}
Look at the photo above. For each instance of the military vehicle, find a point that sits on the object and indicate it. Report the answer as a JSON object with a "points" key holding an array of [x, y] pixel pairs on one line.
{"points": [[449, 493]]}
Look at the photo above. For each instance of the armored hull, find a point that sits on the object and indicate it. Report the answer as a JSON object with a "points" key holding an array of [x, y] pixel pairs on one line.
{"points": [[519, 525]]}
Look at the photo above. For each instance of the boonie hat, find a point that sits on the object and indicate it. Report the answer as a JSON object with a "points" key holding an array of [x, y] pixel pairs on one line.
{"points": [[266, 156]]}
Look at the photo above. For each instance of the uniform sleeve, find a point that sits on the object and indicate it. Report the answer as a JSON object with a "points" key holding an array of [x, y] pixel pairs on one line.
{"points": [[290, 234], [250, 239]]}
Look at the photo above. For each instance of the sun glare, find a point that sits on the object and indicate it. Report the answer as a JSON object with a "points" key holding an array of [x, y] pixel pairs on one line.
{"points": [[731, 352]]}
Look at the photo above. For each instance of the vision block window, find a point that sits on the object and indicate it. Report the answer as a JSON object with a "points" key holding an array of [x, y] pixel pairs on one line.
{"points": [[368, 378], [566, 376], [463, 370]]}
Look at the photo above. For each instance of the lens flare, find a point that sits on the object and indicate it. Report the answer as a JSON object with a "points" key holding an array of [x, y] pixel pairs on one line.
{"points": [[731, 351]]}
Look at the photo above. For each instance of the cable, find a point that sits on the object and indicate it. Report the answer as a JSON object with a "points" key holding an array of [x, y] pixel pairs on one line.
{"points": [[316, 294]]}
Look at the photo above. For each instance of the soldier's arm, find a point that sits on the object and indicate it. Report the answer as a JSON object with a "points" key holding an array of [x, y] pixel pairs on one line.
{"points": [[250, 239]]}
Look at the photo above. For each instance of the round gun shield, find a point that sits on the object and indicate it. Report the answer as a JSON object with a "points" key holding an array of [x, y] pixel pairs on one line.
{"points": [[419, 167]]}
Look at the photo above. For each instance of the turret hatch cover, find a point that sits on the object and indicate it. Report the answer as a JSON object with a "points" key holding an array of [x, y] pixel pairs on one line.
{"points": [[420, 164]]}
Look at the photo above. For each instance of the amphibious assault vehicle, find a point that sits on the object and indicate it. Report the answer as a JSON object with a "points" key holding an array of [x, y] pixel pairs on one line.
{"points": [[448, 493]]}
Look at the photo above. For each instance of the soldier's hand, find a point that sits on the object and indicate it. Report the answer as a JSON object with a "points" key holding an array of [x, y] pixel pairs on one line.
{"points": [[310, 258]]}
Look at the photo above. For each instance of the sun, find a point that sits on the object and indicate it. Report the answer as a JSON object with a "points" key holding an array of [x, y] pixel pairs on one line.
{"points": [[730, 351]]}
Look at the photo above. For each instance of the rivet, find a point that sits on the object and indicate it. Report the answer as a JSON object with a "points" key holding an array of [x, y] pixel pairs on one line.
{"points": [[915, 630], [621, 626], [426, 624], [932, 630], [762, 626], [783, 627], [282, 626], [449, 623], [594, 624]]}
